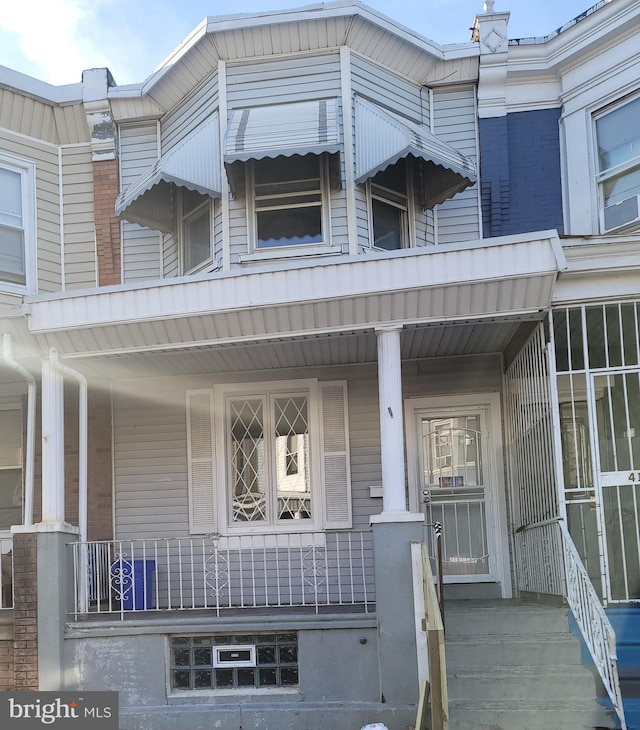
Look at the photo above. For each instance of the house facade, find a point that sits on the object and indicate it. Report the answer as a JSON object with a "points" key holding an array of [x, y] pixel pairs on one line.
{"points": [[314, 287]]}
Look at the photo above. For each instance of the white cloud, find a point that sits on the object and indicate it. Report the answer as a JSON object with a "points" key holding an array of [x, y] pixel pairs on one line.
{"points": [[56, 37]]}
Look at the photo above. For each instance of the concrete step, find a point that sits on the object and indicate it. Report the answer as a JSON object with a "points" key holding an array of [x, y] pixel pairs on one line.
{"points": [[539, 650], [521, 683], [504, 617], [529, 715]]}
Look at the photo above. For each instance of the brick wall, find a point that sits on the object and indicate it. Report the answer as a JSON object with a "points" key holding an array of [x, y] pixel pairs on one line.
{"points": [[105, 191], [6, 650], [25, 612], [521, 184]]}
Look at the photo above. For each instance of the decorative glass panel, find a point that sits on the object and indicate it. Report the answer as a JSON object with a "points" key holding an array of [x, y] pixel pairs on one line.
{"points": [[292, 457], [248, 470]]}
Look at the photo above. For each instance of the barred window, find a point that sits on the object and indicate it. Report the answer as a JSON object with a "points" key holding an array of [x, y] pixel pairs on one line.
{"points": [[234, 661]]}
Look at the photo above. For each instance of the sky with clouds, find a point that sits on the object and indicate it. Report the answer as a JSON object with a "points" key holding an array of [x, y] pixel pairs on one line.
{"points": [[54, 40]]}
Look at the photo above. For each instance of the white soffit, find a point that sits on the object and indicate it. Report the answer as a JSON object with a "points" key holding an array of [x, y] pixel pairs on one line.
{"points": [[495, 278], [383, 138], [194, 163]]}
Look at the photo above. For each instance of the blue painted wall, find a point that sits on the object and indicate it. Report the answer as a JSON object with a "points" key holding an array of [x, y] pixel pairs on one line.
{"points": [[520, 172]]}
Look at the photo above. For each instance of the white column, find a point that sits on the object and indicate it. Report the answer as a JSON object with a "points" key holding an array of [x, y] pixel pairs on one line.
{"points": [[391, 428], [52, 444]]}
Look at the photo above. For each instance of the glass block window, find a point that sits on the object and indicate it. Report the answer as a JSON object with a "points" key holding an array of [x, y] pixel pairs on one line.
{"points": [[194, 665]]}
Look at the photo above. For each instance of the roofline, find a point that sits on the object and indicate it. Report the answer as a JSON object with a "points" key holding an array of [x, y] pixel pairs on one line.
{"points": [[64, 94], [339, 9]]}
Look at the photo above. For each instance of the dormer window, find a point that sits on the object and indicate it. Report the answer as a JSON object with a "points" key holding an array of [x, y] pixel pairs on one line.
{"points": [[289, 201], [389, 207], [195, 230]]}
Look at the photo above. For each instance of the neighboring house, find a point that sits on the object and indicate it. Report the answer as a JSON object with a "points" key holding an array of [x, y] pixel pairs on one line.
{"points": [[313, 286]]}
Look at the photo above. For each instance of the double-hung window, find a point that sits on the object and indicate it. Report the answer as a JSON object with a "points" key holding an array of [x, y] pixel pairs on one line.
{"points": [[618, 141], [16, 221], [196, 230], [388, 192], [289, 202]]}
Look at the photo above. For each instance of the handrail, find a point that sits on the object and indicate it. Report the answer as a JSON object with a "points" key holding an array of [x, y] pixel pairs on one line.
{"points": [[595, 627], [436, 690]]}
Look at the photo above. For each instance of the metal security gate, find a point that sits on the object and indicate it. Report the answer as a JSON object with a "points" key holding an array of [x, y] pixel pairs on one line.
{"points": [[598, 365], [617, 410]]}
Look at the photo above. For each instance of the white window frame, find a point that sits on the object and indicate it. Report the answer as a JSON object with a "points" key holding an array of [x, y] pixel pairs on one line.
{"points": [[391, 197], [222, 396], [185, 219], [620, 169], [26, 170], [6, 533], [289, 249]]}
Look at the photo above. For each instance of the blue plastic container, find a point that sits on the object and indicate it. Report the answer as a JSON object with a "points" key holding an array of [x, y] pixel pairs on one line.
{"points": [[134, 587]]}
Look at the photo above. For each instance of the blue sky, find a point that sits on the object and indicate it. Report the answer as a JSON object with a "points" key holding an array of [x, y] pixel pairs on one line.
{"points": [[54, 40]]}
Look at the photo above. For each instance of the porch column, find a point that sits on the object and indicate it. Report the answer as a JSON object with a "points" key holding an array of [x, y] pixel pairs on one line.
{"points": [[52, 444], [394, 503]]}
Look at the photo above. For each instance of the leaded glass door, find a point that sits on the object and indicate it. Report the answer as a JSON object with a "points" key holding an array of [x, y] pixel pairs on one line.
{"points": [[455, 490]]}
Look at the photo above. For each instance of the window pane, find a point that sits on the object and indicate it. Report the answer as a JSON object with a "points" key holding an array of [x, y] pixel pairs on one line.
{"points": [[10, 498], [292, 458], [621, 187], [197, 248], [289, 227], [619, 135], [10, 197], [283, 169], [12, 255], [248, 472], [388, 223]]}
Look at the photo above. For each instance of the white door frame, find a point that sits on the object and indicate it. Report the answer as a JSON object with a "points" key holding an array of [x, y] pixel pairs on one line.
{"points": [[496, 499]]}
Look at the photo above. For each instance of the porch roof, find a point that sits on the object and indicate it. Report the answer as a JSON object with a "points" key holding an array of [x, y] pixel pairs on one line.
{"points": [[472, 282]]}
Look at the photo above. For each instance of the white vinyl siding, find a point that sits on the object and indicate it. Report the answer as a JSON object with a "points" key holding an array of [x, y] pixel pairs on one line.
{"points": [[391, 91], [455, 123], [151, 453], [283, 80], [140, 246], [79, 226], [196, 108]]}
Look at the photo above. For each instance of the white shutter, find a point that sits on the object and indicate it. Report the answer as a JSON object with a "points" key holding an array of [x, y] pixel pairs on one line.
{"points": [[200, 461], [336, 465]]}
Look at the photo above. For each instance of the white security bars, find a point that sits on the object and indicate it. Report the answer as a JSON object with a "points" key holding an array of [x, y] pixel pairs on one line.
{"points": [[598, 365], [312, 569], [534, 497]]}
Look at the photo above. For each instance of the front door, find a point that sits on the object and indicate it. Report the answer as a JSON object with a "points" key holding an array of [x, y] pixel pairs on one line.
{"points": [[459, 486]]}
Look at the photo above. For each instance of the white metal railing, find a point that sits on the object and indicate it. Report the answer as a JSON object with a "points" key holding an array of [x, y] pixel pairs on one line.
{"points": [[595, 627], [549, 563], [310, 569]]}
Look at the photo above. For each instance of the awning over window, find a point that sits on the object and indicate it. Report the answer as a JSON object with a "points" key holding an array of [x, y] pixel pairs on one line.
{"points": [[383, 138], [301, 128], [194, 164], [307, 127]]}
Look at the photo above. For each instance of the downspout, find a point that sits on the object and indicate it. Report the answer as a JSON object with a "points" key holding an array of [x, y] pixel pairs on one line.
{"points": [[7, 356], [83, 424]]}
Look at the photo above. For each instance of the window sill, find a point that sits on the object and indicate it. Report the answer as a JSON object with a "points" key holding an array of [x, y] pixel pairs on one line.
{"points": [[229, 695], [289, 253]]}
